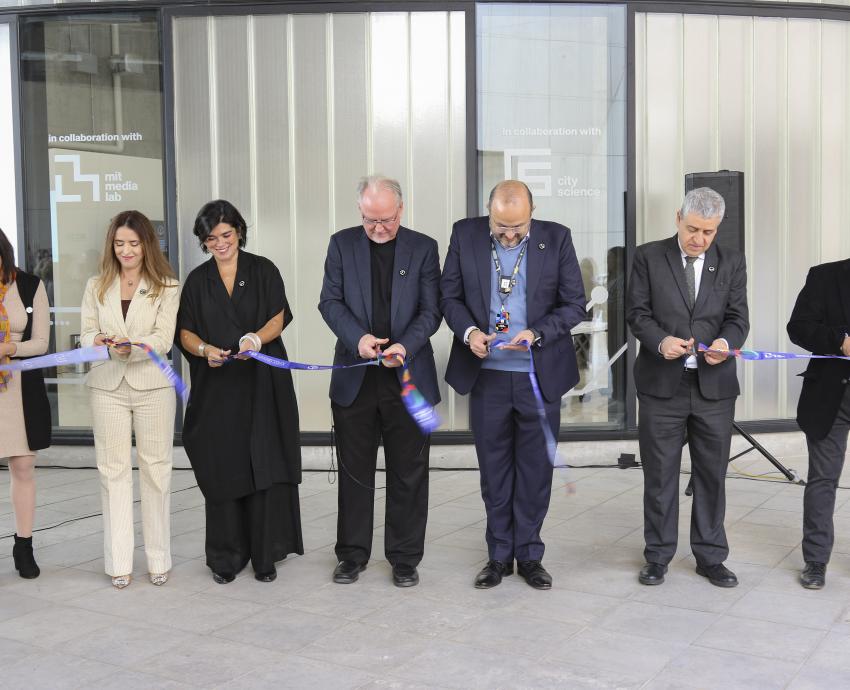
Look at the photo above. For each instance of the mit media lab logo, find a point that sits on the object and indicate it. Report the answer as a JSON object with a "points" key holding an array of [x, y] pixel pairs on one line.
{"points": [[78, 178]]}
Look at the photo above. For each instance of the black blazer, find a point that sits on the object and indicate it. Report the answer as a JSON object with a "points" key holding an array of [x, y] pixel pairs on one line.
{"points": [[819, 323], [346, 306], [657, 306], [555, 301], [37, 416]]}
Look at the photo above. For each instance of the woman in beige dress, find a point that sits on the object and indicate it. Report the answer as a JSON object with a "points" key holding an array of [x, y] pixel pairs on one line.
{"points": [[24, 410], [133, 299]]}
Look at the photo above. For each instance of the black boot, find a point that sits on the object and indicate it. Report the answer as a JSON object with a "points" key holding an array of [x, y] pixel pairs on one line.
{"points": [[24, 560]]}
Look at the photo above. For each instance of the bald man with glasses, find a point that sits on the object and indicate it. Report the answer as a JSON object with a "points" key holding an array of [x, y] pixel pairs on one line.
{"points": [[380, 295], [511, 277]]}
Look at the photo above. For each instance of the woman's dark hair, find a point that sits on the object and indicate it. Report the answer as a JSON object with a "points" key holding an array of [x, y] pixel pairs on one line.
{"points": [[215, 212], [7, 255]]}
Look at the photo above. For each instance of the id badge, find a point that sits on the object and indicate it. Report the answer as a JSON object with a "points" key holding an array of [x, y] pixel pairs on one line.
{"points": [[505, 286]]}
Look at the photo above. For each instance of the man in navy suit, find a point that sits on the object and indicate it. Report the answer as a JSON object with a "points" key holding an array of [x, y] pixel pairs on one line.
{"points": [[515, 278], [381, 294]]}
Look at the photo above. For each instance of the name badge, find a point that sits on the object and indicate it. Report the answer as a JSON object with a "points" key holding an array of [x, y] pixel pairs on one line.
{"points": [[505, 286]]}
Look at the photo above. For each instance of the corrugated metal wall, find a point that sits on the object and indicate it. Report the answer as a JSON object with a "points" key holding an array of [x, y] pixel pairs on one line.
{"points": [[770, 97], [282, 114]]}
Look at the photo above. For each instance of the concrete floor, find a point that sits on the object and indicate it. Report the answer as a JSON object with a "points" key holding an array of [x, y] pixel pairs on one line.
{"points": [[597, 628]]}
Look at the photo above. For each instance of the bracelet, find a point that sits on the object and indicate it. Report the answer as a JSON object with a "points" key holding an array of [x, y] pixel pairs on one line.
{"points": [[202, 349], [255, 341]]}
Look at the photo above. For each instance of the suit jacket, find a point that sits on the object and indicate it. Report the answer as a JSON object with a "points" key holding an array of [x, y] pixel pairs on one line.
{"points": [[657, 306], [819, 322], [346, 306], [555, 301], [149, 320]]}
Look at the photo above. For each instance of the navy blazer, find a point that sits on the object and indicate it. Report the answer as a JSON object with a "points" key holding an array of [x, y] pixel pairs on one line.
{"points": [[819, 324], [657, 305], [346, 306], [555, 301]]}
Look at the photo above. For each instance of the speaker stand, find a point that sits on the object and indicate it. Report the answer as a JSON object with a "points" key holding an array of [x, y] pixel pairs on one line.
{"points": [[790, 475]]}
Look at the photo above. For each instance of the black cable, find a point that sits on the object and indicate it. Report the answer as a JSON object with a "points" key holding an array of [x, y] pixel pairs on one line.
{"points": [[86, 517]]}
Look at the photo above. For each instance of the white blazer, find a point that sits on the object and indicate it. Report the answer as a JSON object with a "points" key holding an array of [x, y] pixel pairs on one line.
{"points": [[149, 320]]}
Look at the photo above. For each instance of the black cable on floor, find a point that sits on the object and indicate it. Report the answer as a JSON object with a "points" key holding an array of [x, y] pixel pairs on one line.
{"points": [[86, 517]]}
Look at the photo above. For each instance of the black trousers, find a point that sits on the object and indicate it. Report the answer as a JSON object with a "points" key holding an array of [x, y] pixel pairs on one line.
{"points": [[662, 423], [262, 527], [378, 413], [826, 460], [516, 472]]}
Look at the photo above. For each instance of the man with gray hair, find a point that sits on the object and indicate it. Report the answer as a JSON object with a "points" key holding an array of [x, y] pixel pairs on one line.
{"points": [[380, 295], [683, 291]]}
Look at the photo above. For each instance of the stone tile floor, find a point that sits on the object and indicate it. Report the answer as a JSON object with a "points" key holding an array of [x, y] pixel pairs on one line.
{"points": [[597, 628]]}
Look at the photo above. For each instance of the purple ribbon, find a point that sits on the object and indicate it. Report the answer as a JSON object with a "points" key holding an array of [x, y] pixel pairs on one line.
{"points": [[551, 441], [766, 355], [59, 359], [421, 410]]}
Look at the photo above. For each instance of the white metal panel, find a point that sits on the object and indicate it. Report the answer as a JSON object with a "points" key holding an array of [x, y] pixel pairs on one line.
{"points": [[776, 99], [310, 165], [281, 114]]}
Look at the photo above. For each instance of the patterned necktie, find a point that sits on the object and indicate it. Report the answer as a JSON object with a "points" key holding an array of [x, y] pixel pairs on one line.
{"points": [[690, 279], [5, 334]]}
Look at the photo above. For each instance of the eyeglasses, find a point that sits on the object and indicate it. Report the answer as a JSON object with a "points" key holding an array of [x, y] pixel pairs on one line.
{"points": [[495, 227], [372, 223]]}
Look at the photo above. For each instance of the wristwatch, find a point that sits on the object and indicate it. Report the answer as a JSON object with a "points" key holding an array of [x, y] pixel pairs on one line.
{"points": [[538, 337]]}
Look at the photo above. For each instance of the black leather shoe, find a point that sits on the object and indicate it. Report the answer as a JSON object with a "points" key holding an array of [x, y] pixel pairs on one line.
{"points": [[24, 559], [223, 578], [492, 574], [718, 575], [347, 572], [813, 575], [652, 574], [405, 575], [270, 576], [534, 574]]}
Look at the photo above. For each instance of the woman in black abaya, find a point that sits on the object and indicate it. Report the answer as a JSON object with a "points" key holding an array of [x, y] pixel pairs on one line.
{"points": [[241, 426]]}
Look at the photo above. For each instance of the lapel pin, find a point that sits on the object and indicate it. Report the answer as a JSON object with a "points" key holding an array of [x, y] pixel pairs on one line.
{"points": [[29, 310], [542, 245], [241, 283], [711, 269], [143, 291], [402, 272]]}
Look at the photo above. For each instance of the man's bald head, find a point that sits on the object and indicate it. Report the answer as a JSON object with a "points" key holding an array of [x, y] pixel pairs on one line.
{"points": [[510, 192], [510, 208]]}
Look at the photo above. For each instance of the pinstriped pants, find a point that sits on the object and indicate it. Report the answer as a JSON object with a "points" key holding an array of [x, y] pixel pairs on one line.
{"points": [[150, 414]]}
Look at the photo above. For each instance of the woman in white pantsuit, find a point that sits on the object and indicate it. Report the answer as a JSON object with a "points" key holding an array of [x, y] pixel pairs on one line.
{"points": [[134, 299]]}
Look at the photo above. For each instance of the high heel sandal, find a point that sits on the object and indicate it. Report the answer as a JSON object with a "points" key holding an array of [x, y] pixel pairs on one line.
{"points": [[158, 579], [121, 581]]}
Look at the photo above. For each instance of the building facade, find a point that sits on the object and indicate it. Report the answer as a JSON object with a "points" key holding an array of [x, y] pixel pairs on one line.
{"points": [[280, 107]]}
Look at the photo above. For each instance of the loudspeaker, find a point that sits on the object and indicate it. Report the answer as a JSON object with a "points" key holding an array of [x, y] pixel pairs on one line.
{"points": [[730, 185]]}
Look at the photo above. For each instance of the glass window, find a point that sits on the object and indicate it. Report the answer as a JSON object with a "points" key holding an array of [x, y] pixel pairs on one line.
{"points": [[92, 134], [552, 112], [8, 184]]}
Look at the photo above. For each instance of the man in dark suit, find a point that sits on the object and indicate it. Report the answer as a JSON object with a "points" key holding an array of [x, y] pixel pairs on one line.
{"points": [[380, 294], [684, 291], [820, 323], [510, 276]]}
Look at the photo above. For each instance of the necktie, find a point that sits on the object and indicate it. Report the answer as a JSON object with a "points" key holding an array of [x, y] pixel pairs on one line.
{"points": [[690, 279]]}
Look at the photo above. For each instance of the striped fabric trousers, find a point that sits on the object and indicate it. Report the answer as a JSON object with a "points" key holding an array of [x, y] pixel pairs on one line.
{"points": [[150, 413]]}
